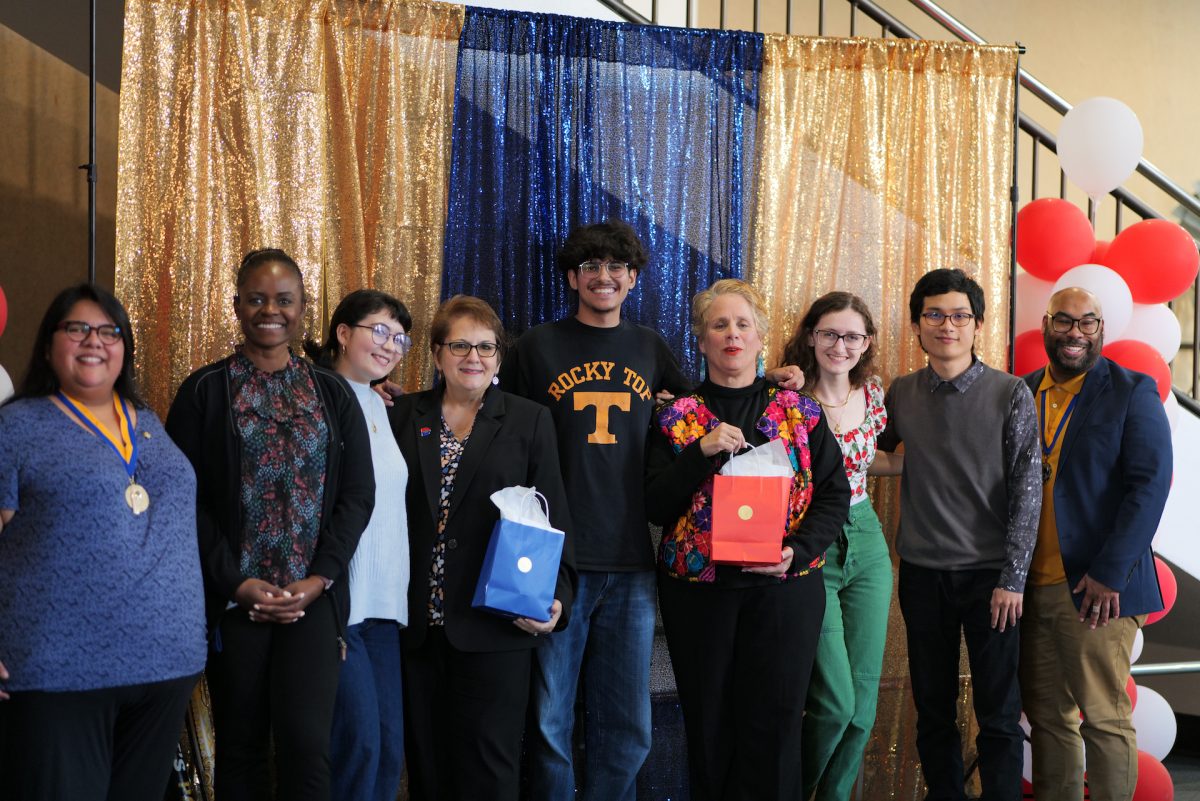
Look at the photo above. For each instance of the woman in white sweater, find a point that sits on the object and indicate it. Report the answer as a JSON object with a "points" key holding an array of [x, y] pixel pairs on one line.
{"points": [[368, 335]]}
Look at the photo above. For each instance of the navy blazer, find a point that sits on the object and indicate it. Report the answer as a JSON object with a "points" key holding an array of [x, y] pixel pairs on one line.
{"points": [[1114, 474], [512, 443]]}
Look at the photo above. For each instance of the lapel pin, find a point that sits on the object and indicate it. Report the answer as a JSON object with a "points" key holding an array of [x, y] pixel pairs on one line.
{"points": [[426, 431]]}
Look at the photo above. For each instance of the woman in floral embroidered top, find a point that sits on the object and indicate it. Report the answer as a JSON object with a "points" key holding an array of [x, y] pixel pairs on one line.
{"points": [[285, 488], [835, 346], [741, 638]]}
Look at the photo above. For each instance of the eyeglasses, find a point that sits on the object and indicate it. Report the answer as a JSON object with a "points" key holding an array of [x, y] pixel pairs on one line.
{"points": [[380, 334], [460, 348], [78, 331], [936, 318], [615, 268], [1063, 323], [854, 341]]}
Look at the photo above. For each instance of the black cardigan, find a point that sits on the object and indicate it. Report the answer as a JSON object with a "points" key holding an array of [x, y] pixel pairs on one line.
{"points": [[201, 423]]}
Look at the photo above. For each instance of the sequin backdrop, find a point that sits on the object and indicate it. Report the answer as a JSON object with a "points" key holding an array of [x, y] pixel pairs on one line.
{"points": [[322, 128], [560, 121], [880, 160]]}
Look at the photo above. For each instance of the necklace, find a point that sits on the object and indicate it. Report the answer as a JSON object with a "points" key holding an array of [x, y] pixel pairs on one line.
{"points": [[845, 400], [835, 422]]}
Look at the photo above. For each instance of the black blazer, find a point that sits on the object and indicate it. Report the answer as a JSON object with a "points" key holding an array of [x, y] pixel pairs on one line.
{"points": [[512, 443]]}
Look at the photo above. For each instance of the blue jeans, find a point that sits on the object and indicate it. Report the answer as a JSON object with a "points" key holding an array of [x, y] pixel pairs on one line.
{"points": [[367, 745], [610, 636]]}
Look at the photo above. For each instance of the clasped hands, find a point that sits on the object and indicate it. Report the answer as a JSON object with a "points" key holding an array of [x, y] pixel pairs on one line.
{"points": [[267, 603]]}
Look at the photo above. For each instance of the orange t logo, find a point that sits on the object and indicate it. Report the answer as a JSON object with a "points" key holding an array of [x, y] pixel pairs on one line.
{"points": [[603, 401]]}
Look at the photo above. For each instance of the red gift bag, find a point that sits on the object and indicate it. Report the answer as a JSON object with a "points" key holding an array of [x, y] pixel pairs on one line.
{"points": [[749, 518]]}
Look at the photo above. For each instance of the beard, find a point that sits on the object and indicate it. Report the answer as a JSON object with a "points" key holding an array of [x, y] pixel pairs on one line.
{"points": [[1070, 366]]}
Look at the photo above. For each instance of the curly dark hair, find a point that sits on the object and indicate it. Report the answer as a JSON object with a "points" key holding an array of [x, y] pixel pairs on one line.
{"points": [[613, 238], [800, 353], [40, 379], [939, 282]]}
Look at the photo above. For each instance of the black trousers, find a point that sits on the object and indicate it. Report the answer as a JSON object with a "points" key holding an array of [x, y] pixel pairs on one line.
{"points": [[742, 659], [274, 682], [464, 716], [937, 606], [117, 743]]}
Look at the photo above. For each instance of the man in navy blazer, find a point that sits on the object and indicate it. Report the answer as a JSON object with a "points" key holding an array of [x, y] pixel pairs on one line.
{"points": [[1106, 471]]}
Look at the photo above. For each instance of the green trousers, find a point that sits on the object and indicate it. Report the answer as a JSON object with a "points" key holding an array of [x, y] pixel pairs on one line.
{"points": [[844, 689]]}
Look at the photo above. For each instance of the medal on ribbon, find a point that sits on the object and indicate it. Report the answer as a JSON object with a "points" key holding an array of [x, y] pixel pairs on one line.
{"points": [[1047, 449], [124, 445]]}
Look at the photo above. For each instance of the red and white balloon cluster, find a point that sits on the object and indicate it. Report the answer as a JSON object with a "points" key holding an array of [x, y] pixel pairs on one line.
{"points": [[1134, 275], [6, 384]]}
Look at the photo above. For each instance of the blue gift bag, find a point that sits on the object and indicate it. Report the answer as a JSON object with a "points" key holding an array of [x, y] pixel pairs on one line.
{"points": [[520, 571]]}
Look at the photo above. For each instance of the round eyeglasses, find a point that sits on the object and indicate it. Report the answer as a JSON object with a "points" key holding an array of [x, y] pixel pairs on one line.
{"points": [[78, 331], [380, 334], [828, 339], [1063, 323], [959, 319], [615, 268], [460, 348]]}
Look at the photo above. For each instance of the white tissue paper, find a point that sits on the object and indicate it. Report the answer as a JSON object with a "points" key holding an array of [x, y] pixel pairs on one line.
{"points": [[765, 460]]}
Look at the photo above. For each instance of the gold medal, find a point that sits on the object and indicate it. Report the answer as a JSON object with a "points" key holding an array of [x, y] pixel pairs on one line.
{"points": [[137, 497]]}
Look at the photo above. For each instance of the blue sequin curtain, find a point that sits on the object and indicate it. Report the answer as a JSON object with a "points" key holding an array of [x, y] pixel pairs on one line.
{"points": [[560, 121]]}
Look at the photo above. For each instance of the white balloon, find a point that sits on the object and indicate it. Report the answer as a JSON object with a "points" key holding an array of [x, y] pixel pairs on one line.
{"points": [[1155, 723], [1099, 144], [1136, 653], [6, 385], [1171, 407], [1110, 288], [1033, 294], [1157, 326]]}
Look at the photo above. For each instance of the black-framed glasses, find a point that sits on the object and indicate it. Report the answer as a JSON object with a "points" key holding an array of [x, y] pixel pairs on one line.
{"points": [[1063, 323], [380, 333], [78, 331], [615, 268], [853, 340], [461, 348], [958, 319]]}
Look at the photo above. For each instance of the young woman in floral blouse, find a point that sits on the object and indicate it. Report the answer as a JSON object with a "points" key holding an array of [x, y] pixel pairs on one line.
{"points": [[741, 639], [835, 346]]}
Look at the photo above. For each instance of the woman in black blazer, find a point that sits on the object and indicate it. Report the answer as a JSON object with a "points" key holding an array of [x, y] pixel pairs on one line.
{"points": [[466, 671]]}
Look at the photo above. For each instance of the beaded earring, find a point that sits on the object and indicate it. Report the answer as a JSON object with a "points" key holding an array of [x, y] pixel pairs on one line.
{"points": [[760, 365]]}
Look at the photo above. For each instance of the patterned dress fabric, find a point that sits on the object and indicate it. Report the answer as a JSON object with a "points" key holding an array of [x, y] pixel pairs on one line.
{"points": [[284, 438], [451, 450]]}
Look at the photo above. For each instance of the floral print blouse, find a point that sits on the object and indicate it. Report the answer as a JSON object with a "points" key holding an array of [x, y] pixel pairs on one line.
{"points": [[284, 438], [858, 444], [451, 454]]}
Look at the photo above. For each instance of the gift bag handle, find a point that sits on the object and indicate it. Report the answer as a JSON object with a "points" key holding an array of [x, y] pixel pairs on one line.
{"points": [[534, 496]]}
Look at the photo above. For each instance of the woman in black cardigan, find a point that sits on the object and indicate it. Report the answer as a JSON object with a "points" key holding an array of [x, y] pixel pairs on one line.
{"points": [[284, 489], [466, 671]]}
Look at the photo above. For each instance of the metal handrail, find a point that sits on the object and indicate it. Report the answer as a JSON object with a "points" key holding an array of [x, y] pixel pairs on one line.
{"points": [[1056, 102], [1165, 669]]}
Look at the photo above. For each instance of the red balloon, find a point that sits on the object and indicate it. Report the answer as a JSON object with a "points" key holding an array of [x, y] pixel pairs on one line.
{"points": [[1134, 354], [1131, 691], [1157, 258], [1029, 353], [1101, 251], [3, 311], [1026, 789], [1153, 781], [1169, 587], [1053, 236]]}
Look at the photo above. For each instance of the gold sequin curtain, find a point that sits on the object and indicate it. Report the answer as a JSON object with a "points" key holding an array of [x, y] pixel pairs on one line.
{"points": [[322, 128], [880, 160]]}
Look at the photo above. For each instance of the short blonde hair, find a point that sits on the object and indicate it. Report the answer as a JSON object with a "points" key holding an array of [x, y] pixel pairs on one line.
{"points": [[728, 286]]}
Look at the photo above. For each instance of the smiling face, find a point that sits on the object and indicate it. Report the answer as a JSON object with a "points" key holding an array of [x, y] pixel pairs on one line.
{"points": [[470, 375], [947, 345], [1072, 352], [837, 359], [361, 360], [86, 370], [601, 295], [270, 306], [731, 341]]}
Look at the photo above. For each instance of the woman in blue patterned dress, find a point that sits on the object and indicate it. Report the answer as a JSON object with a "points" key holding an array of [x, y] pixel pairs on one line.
{"points": [[285, 489], [835, 347], [101, 610]]}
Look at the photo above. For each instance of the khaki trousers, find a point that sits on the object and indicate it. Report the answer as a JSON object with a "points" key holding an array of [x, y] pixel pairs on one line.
{"points": [[1068, 669]]}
